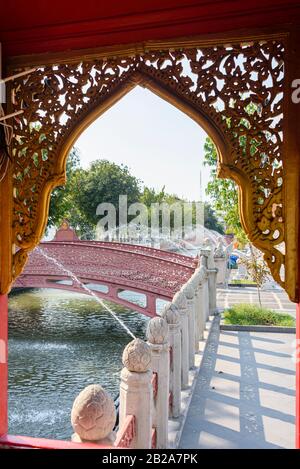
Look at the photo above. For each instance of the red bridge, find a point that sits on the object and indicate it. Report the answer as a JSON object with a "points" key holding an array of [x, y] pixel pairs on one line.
{"points": [[108, 269]]}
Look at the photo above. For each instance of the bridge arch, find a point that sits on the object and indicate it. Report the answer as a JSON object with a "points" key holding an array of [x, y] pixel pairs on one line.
{"points": [[115, 267], [149, 310]]}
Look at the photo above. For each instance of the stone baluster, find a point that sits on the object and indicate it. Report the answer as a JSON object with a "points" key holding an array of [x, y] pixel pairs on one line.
{"points": [[136, 393], [189, 291], [180, 302], [171, 314], [157, 336], [221, 262], [209, 253], [197, 279], [194, 280], [205, 297], [212, 289], [93, 416], [221, 266], [212, 277]]}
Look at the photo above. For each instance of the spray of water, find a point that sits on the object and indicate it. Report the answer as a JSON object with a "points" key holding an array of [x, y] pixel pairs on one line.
{"points": [[173, 242], [178, 245], [88, 290]]}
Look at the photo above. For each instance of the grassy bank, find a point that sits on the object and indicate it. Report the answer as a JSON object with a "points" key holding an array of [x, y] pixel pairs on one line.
{"points": [[248, 315], [242, 282]]}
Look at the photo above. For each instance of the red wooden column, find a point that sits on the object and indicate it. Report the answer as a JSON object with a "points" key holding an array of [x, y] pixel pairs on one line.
{"points": [[297, 356], [298, 378], [3, 364], [292, 177]]}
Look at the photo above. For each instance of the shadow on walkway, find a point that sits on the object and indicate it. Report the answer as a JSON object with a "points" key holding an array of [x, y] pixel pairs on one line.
{"points": [[245, 392]]}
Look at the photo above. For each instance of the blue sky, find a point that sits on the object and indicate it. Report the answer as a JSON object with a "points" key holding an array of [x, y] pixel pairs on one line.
{"points": [[160, 144]]}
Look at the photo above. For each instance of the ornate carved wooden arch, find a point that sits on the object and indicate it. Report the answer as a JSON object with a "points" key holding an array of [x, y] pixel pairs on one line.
{"points": [[235, 92]]}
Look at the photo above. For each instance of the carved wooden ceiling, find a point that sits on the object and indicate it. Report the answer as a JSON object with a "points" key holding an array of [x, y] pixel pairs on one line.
{"points": [[33, 27]]}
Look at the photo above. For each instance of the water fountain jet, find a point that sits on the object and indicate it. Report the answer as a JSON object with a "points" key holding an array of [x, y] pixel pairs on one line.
{"points": [[90, 292]]}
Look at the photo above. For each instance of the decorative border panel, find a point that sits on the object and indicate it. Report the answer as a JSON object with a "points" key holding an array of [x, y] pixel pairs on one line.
{"points": [[234, 91]]}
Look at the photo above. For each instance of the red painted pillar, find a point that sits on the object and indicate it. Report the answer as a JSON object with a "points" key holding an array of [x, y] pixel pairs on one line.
{"points": [[298, 378], [3, 364], [297, 354], [292, 120]]}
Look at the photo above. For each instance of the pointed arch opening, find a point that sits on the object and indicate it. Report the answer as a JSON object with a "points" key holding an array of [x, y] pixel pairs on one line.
{"points": [[214, 85]]}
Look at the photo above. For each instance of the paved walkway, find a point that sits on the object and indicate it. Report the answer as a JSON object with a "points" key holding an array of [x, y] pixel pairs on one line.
{"points": [[245, 392], [275, 299]]}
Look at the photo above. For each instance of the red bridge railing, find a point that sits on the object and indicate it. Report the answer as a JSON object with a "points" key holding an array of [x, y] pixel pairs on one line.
{"points": [[127, 433]]}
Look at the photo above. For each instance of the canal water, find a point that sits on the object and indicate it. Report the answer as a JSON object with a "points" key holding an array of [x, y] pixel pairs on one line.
{"points": [[59, 342]]}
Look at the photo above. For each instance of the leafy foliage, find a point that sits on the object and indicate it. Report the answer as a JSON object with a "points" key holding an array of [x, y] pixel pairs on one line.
{"points": [[104, 181], [224, 194], [61, 201], [246, 314], [256, 268], [85, 189], [210, 219]]}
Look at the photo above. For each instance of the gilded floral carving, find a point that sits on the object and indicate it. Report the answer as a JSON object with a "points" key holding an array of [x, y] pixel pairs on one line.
{"points": [[237, 89]]}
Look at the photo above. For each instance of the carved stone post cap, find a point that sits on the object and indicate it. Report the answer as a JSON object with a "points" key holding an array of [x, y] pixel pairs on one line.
{"points": [[93, 414], [203, 261], [171, 314], [220, 249], [179, 300], [209, 246], [137, 356], [189, 290], [207, 242], [157, 330]]}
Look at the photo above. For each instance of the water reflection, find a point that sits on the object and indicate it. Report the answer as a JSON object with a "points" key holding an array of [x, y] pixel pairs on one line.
{"points": [[59, 342]]}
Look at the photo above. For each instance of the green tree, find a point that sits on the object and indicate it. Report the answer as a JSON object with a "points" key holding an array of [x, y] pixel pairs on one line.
{"points": [[61, 197], [151, 196], [85, 189], [256, 268], [210, 219], [223, 193], [103, 182]]}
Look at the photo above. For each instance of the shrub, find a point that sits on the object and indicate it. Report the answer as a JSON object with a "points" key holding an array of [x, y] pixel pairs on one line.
{"points": [[245, 314]]}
